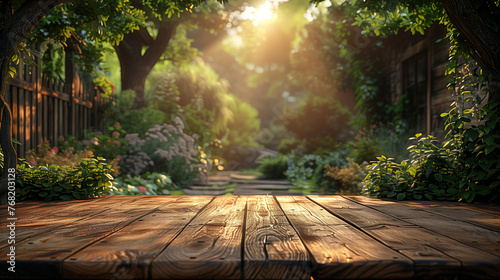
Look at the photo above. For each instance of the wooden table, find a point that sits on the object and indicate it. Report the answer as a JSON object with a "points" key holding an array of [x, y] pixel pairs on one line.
{"points": [[250, 237]]}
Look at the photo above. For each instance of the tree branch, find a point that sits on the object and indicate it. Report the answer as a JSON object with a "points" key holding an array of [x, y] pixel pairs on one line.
{"points": [[165, 32]]}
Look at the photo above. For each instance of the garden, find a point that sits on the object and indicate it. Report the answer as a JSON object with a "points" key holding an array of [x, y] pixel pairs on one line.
{"points": [[302, 92]]}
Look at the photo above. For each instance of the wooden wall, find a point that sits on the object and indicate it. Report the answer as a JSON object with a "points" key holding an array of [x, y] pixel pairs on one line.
{"points": [[402, 47]]}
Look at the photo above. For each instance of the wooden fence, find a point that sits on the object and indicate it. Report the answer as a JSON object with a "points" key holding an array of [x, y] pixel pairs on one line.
{"points": [[44, 109]]}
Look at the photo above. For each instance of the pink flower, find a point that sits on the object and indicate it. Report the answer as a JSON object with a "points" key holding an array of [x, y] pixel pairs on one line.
{"points": [[142, 189], [115, 134], [55, 150], [117, 124]]}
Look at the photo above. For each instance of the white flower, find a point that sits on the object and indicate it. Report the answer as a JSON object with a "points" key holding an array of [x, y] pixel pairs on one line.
{"points": [[180, 125]]}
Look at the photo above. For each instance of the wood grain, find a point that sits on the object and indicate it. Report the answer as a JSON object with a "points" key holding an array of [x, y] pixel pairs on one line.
{"points": [[459, 210], [33, 220], [435, 256], [341, 251], [251, 237], [127, 253], [209, 247], [273, 250], [453, 227], [41, 256]]}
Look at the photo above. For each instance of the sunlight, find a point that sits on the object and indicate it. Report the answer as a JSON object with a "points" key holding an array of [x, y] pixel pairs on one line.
{"points": [[263, 13], [258, 15]]}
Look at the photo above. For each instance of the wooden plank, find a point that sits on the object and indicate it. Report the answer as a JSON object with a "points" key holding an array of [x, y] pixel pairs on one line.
{"points": [[472, 235], [43, 220], [273, 250], [462, 211], [209, 247], [127, 254], [341, 251], [435, 256], [41, 256], [34, 209]]}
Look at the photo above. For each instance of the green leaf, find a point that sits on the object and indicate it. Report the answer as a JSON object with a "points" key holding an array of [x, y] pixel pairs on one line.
{"points": [[417, 196], [494, 184], [452, 191], [489, 149], [428, 172], [428, 196], [433, 186], [438, 177], [401, 196]]}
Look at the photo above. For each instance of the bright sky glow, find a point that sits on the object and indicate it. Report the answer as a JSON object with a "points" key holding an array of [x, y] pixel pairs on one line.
{"points": [[260, 14], [313, 11]]}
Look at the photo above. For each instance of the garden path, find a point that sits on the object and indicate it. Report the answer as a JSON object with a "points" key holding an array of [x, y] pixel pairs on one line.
{"points": [[233, 182]]}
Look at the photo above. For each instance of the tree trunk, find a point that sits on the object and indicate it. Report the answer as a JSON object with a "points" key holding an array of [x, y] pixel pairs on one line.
{"points": [[135, 66], [475, 26], [17, 27]]}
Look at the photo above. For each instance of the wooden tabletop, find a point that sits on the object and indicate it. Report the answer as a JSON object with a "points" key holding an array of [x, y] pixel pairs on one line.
{"points": [[249, 237]]}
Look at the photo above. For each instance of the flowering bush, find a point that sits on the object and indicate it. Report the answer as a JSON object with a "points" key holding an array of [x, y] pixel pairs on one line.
{"points": [[147, 184], [165, 148], [346, 178], [47, 155], [108, 144]]}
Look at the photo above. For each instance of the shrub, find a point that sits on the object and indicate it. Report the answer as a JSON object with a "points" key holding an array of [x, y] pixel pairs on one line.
{"points": [[432, 172], [133, 120], [311, 168], [303, 168], [165, 148], [88, 179], [146, 184], [273, 167], [47, 155], [381, 138], [108, 144], [346, 178]]}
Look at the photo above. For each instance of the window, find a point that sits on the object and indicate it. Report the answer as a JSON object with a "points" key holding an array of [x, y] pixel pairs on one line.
{"points": [[415, 87]]}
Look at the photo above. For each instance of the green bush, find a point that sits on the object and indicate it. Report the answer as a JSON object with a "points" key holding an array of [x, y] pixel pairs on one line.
{"points": [[133, 120], [432, 172], [273, 167], [53, 182], [147, 184], [310, 169], [467, 166]]}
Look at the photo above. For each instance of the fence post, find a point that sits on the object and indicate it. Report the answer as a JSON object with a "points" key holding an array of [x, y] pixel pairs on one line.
{"points": [[38, 101], [69, 86]]}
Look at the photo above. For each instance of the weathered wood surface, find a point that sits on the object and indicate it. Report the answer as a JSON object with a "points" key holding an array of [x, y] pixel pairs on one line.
{"points": [[251, 237]]}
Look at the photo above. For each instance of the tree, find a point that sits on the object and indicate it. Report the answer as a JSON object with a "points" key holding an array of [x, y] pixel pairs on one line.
{"points": [[16, 22], [18, 18], [139, 31], [140, 50]]}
